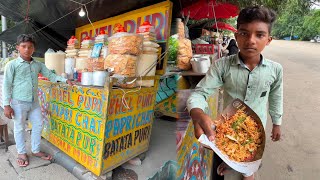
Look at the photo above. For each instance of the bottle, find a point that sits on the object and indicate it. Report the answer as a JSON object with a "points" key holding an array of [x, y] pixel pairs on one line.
{"points": [[75, 74], [79, 76]]}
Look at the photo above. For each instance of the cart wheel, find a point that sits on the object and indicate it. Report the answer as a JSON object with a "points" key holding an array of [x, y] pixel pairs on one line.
{"points": [[158, 114], [142, 156]]}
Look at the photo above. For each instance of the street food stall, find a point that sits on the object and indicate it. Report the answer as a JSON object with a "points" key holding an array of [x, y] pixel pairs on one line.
{"points": [[102, 127], [195, 161]]}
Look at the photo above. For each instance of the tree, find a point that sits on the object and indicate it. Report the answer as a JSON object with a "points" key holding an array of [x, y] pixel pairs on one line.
{"points": [[10, 24], [298, 19], [292, 16], [10, 47], [311, 25], [276, 5]]}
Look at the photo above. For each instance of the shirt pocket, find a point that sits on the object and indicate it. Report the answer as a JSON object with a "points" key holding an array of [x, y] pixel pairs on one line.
{"points": [[264, 89]]}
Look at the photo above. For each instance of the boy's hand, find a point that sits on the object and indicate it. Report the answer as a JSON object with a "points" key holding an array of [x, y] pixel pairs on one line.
{"points": [[70, 82], [8, 112], [202, 124], [276, 133]]}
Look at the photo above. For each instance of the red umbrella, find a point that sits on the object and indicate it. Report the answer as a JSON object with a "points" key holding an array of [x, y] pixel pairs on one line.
{"points": [[225, 26], [204, 9]]}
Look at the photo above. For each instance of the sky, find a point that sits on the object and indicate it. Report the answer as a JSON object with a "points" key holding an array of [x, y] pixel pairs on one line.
{"points": [[316, 6]]}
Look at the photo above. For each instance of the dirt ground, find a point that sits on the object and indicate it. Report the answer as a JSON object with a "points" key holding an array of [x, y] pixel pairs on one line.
{"points": [[297, 155]]}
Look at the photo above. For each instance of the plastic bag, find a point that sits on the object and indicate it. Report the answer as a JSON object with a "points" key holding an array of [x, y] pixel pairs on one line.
{"points": [[96, 64], [82, 64], [125, 43], [149, 50], [181, 31], [149, 38], [185, 48], [123, 64], [102, 38], [150, 44], [183, 62], [50, 51]]}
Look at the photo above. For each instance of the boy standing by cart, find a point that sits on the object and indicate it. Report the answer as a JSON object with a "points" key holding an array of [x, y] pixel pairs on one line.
{"points": [[247, 75], [20, 98]]}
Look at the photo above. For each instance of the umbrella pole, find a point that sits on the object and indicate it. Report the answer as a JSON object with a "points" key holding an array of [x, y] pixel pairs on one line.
{"points": [[215, 18]]}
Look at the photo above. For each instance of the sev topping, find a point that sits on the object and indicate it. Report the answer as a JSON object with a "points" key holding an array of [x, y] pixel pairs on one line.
{"points": [[239, 137]]}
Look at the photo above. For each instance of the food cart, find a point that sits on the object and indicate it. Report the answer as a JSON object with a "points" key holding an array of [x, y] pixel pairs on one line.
{"points": [[166, 96], [104, 127], [194, 161]]}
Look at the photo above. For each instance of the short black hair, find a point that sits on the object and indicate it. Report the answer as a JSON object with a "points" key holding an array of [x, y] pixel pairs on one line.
{"points": [[26, 38], [256, 13]]}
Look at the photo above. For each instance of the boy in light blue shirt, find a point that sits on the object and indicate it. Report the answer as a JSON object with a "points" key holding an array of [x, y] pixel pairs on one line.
{"points": [[20, 100], [247, 75]]}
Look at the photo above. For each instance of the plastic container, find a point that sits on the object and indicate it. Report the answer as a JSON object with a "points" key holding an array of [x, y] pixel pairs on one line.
{"points": [[87, 78], [146, 27], [99, 78], [79, 76], [75, 74], [82, 63], [200, 65], [55, 61], [73, 41], [146, 67], [70, 64]]}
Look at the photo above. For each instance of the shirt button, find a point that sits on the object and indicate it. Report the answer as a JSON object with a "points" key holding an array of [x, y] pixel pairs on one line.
{"points": [[249, 86]]}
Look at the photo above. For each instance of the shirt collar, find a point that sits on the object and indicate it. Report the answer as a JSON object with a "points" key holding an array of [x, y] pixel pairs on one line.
{"points": [[238, 61], [22, 60]]}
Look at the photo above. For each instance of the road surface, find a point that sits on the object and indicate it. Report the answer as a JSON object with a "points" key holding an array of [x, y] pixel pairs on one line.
{"points": [[297, 155]]}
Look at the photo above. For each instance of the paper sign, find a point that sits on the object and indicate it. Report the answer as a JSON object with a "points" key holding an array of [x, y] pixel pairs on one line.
{"points": [[242, 167]]}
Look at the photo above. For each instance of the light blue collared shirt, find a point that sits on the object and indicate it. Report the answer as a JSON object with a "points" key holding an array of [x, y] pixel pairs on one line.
{"points": [[257, 88], [21, 80]]}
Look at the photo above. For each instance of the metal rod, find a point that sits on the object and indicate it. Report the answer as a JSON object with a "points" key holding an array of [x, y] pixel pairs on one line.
{"points": [[4, 27]]}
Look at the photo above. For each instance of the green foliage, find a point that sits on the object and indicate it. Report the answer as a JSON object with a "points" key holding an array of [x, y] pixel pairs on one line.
{"points": [[173, 49], [311, 25], [273, 4], [10, 24], [297, 18]]}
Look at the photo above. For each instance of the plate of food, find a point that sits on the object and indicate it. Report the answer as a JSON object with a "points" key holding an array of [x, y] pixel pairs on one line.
{"points": [[240, 137]]}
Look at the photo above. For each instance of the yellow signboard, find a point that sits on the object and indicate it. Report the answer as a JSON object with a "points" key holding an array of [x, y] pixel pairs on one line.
{"points": [[76, 121], [159, 15], [128, 128], [99, 128], [195, 161]]}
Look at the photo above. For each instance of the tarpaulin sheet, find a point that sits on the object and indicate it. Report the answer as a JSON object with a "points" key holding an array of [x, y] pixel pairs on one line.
{"points": [[44, 12], [167, 87]]}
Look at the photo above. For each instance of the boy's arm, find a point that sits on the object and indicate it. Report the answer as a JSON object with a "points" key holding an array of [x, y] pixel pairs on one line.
{"points": [[50, 75], [206, 87], [276, 105], [7, 84], [276, 98], [197, 102]]}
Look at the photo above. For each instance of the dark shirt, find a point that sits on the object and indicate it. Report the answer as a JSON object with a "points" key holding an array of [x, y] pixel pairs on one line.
{"points": [[232, 47]]}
